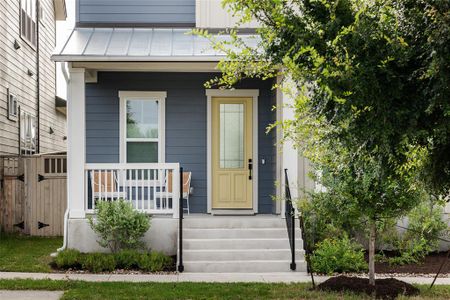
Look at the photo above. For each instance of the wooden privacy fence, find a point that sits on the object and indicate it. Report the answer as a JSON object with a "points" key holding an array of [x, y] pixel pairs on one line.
{"points": [[33, 196]]}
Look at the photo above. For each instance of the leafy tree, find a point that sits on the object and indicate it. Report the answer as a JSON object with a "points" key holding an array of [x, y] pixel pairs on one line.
{"points": [[371, 86]]}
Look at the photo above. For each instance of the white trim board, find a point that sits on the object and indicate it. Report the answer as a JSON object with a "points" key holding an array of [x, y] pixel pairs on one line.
{"points": [[146, 95], [210, 93]]}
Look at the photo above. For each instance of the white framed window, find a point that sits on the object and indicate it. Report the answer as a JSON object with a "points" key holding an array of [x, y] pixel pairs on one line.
{"points": [[142, 127], [28, 134], [13, 109], [28, 21]]}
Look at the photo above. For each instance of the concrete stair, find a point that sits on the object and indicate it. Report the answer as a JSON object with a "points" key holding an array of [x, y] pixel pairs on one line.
{"points": [[232, 244]]}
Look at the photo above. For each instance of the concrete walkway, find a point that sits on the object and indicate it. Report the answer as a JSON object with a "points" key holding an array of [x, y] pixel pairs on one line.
{"points": [[197, 277], [30, 295]]}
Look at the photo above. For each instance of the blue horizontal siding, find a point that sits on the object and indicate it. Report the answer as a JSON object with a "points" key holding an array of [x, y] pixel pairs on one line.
{"points": [[185, 125], [136, 11]]}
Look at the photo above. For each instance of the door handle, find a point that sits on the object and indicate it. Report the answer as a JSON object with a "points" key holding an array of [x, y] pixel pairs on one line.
{"points": [[250, 169]]}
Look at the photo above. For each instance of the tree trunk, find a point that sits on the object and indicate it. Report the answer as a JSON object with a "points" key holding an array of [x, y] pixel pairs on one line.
{"points": [[373, 231]]}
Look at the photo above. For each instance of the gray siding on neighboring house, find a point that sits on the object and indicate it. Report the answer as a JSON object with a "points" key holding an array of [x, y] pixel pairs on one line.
{"points": [[185, 125], [118, 12], [14, 66]]}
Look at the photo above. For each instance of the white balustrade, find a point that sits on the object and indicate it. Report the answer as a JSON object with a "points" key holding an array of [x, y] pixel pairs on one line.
{"points": [[152, 188]]}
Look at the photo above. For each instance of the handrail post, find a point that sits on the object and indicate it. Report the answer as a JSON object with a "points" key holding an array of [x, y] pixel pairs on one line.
{"points": [[180, 224], [293, 264]]}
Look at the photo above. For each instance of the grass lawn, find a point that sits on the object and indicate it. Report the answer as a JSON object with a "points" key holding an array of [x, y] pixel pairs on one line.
{"points": [[119, 290], [26, 254]]}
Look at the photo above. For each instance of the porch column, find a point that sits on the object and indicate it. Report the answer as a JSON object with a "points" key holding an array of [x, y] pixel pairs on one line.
{"points": [[288, 155], [76, 143]]}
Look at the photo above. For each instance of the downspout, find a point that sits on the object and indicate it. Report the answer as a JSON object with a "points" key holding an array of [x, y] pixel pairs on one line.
{"points": [[38, 81], [66, 214]]}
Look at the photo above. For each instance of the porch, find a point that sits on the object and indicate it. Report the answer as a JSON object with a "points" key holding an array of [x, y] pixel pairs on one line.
{"points": [[134, 122]]}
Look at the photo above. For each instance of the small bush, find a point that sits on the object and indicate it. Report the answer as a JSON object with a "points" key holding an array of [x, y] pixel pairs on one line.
{"points": [[127, 259], [99, 262], [338, 255], [154, 262], [68, 259], [119, 225], [425, 226], [160, 261]]}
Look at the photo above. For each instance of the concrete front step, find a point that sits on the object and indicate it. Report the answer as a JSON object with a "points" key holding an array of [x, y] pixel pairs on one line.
{"points": [[228, 244], [224, 244], [226, 233], [241, 255], [252, 266], [238, 222]]}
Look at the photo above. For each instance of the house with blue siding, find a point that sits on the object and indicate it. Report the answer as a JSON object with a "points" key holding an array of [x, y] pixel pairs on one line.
{"points": [[143, 127]]}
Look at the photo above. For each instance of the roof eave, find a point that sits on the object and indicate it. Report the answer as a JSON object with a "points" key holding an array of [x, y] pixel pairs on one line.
{"points": [[88, 58]]}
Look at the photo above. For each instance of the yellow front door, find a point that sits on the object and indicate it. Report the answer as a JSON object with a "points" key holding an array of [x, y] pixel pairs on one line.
{"points": [[232, 149]]}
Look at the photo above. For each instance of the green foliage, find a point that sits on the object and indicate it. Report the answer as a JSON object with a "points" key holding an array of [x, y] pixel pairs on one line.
{"points": [[127, 259], [68, 259], [98, 262], [372, 99], [119, 225], [425, 226], [106, 262], [324, 218], [338, 255], [154, 262]]}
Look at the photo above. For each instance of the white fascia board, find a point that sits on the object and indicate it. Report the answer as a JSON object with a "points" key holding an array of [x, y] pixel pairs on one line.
{"points": [[78, 58]]}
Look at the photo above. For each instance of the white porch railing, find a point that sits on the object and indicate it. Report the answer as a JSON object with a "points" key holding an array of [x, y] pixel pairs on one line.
{"points": [[152, 188]]}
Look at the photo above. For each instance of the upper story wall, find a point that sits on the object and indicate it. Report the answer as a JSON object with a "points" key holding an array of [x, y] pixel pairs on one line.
{"points": [[136, 13], [153, 13], [211, 14]]}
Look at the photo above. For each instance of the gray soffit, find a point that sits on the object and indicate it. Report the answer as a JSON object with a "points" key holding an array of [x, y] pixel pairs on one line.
{"points": [[140, 44]]}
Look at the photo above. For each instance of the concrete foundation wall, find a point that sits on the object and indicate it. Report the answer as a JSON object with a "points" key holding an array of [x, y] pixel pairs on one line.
{"points": [[162, 236]]}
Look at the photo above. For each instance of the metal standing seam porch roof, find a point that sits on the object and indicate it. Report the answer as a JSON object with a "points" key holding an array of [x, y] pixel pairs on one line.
{"points": [[140, 44]]}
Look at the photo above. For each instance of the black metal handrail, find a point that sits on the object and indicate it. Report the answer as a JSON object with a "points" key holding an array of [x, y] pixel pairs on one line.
{"points": [[290, 219], [290, 224], [180, 224]]}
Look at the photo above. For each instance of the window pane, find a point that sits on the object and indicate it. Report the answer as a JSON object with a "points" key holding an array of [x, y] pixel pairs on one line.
{"points": [[142, 119], [142, 152], [232, 136]]}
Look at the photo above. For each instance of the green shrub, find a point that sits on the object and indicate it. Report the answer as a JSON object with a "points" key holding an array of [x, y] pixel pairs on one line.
{"points": [[98, 262], [127, 259], [425, 226], [338, 255], [154, 262], [160, 261], [68, 258], [119, 225]]}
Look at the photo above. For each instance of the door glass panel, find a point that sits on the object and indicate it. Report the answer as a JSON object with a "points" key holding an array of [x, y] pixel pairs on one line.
{"points": [[231, 136], [142, 119]]}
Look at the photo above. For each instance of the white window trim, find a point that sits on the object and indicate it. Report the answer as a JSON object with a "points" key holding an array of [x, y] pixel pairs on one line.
{"points": [[33, 17], [13, 106], [254, 94], [28, 144], [159, 96]]}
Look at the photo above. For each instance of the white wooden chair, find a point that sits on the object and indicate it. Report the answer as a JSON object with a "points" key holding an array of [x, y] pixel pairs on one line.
{"points": [[105, 186], [167, 193]]}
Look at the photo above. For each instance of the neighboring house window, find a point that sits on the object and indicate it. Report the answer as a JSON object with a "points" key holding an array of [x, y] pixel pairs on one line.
{"points": [[27, 133], [142, 126], [13, 109], [28, 21]]}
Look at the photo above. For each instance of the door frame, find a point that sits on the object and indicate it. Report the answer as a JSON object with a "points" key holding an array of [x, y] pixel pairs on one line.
{"points": [[244, 93]]}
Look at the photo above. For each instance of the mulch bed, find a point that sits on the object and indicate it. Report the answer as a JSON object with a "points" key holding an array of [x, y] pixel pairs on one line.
{"points": [[389, 288], [430, 265]]}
